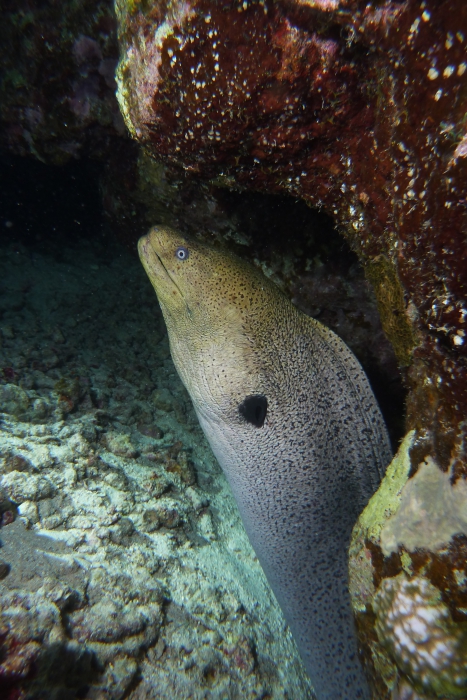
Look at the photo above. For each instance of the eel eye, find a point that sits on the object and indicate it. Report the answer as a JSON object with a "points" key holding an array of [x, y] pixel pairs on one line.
{"points": [[182, 253], [253, 409]]}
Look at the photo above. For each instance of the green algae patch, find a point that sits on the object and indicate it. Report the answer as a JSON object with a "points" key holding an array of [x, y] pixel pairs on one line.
{"points": [[382, 275], [387, 499], [367, 531]]}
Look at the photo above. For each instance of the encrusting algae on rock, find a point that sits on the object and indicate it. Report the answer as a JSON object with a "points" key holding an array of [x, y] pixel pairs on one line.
{"points": [[401, 555], [417, 629]]}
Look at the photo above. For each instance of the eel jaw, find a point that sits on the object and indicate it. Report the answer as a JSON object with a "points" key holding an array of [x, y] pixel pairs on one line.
{"points": [[161, 278]]}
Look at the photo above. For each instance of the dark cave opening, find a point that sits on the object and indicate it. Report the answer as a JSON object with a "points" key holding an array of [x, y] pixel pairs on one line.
{"points": [[46, 206]]}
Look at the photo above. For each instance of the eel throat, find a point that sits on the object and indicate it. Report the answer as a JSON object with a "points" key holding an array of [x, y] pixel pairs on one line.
{"points": [[292, 420]]}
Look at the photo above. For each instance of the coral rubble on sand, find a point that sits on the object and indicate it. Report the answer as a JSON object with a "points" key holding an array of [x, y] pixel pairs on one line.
{"points": [[125, 570]]}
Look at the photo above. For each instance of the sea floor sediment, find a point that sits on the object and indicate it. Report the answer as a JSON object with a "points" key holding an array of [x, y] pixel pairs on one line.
{"points": [[125, 570]]}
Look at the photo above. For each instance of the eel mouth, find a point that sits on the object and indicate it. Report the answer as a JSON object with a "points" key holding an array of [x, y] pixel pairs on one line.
{"points": [[154, 264]]}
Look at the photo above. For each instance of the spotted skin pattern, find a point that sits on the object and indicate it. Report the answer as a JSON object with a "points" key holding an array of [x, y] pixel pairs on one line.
{"points": [[304, 475]]}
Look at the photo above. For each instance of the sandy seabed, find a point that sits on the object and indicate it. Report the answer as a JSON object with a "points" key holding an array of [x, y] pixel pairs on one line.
{"points": [[125, 570]]}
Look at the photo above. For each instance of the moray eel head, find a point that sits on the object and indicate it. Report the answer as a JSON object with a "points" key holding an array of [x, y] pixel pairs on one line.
{"points": [[209, 299]]}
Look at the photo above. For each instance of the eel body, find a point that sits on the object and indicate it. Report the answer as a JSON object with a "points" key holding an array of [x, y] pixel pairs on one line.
{"points": [[292, 420]]}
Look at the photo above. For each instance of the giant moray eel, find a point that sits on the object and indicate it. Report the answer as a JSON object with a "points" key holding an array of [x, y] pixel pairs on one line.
{"points": [[293, 422]]}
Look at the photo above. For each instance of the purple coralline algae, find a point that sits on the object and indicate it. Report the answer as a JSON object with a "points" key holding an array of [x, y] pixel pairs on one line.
{"points": [[359, 109], [57, 90]]}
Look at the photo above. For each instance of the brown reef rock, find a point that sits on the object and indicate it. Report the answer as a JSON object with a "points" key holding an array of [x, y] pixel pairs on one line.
{"points": [[360, 109]]}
